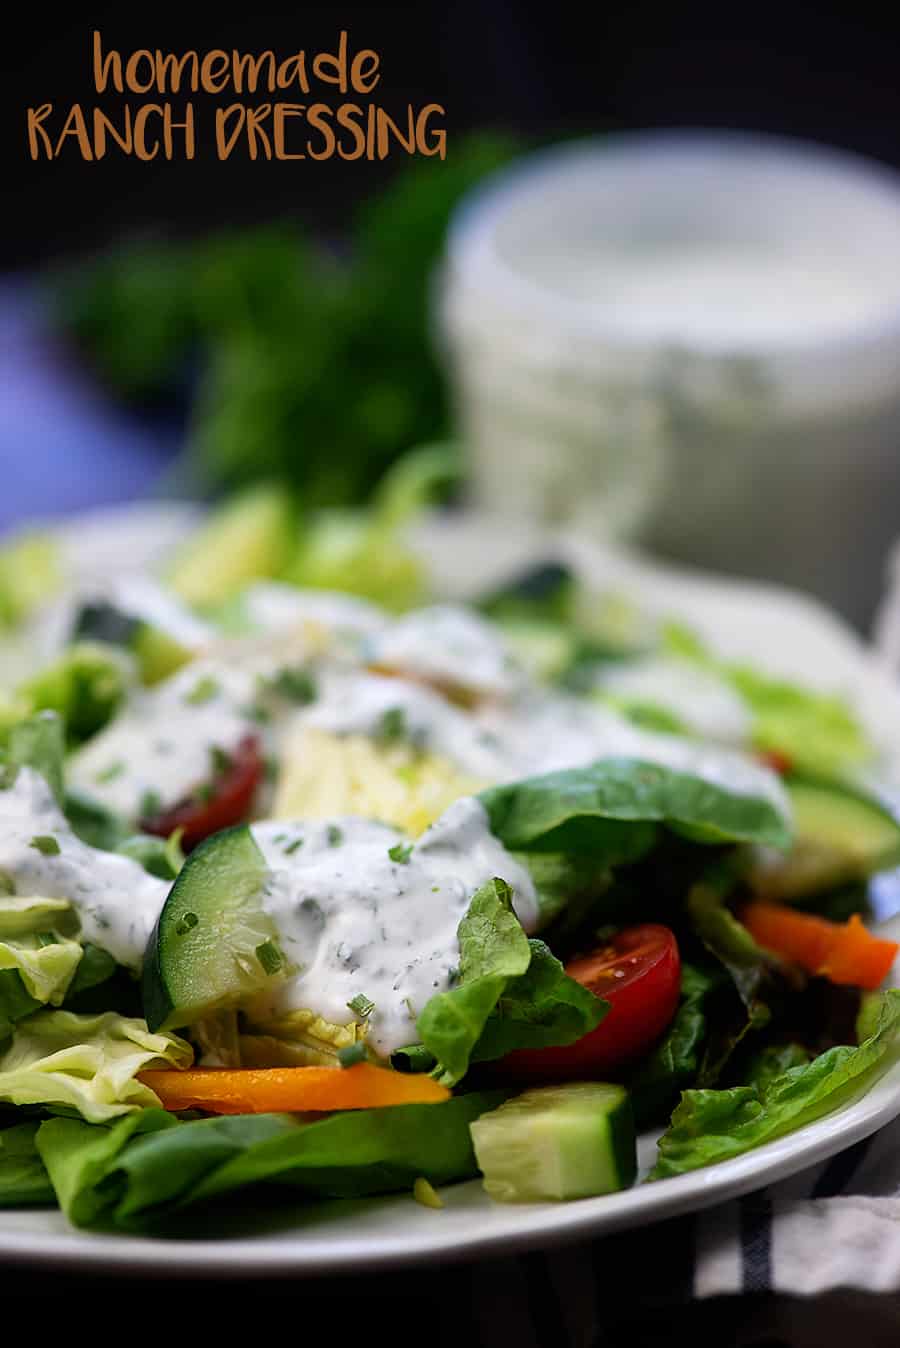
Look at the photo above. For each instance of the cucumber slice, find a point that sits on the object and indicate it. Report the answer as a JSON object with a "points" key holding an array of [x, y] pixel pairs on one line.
{"points": [[840, 837], [251, 537], [213, 946], [557, 1142]]}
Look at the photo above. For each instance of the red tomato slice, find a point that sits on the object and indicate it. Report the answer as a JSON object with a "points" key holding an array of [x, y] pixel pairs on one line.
{"points": [[639, 973], [224, 802]]}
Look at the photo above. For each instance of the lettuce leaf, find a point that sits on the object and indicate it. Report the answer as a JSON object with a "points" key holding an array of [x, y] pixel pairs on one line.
{"points": [[675, 1061], [512, 993], [148, 1166], [709, 1126], [493, 949], [23, 1179], [85, 1063], [37, 742], [610, 810]]}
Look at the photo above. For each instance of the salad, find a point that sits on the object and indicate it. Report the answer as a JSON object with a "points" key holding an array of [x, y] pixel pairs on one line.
{"points": [[315, 881]]}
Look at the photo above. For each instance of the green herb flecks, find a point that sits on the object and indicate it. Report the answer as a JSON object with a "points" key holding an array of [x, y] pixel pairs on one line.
{"points": [[46, 844], [204, 690], [352, 1054], [401, 853], [270, 957], [361, 1006]]}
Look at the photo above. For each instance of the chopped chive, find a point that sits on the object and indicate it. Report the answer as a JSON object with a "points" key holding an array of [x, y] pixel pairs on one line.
{"points": [[221, 761], [255, 711], [270, 957], [410, 1009], [151, 804], [46, 844], [401, 852], [334, 835], [290, 848], [297, 685], [392, 726], [204, 690], [187, 922], [352, 1054], [109, 774], [361, 1005], [425, 1193]]}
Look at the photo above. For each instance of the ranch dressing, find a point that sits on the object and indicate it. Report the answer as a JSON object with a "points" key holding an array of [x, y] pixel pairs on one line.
{"points": [[449, 646], [705, 704], [116, 900], [356, 919], [161, 747]]}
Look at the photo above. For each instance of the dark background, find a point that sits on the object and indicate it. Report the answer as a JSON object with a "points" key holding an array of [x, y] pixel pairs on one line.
{"points": [[822, 71]]}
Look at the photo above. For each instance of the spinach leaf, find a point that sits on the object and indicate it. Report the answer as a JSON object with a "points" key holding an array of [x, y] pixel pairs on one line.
{"points": [[611, 809], [675, 1061], [714, 1125]]}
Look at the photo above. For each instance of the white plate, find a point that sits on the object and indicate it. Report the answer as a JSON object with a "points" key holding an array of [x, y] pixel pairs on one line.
{"points": [[372, 1234]]}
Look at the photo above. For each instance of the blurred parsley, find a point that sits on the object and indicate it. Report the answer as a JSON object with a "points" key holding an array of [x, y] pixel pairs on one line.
{"points": [[314, 372]]}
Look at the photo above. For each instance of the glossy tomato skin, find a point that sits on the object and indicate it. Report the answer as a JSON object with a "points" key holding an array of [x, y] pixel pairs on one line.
{"points": [[226, 802], [639, 973]]}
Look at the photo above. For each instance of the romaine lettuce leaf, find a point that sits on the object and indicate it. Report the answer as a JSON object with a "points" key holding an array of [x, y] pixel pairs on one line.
{"points": [[610, 810], [148, 1166], [709, 1126], [493, 949], [86, 1063], [23, 1180], [512, 993]]}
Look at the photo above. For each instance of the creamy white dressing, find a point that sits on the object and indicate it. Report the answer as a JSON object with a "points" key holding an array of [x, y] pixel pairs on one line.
{"points": [[116, 900], [704, 703], [273, 606], [449, 645], [355, 920], [547, 732], [356, 703], [161, 746], [133, 594]]}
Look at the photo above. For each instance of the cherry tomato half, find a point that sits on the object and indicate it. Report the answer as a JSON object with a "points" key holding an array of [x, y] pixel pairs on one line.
{"points": [[223, 802], [639, 973]]}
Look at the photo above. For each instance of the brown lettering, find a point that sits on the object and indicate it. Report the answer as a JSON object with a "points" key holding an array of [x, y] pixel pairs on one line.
{"points": [[103, 126], [253, 65], [364, 71], [345, 118], [282, 111], [438, 144], [102, 66], [332, 68], [293, 71], [318, 116], [170, 71], [214, 73], [35, 117], [75, 125], [131, 71], [187, 126], [225, 143]]}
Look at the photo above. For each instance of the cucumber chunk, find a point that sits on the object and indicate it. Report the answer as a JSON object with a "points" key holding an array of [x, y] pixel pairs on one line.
{"points": [[557, 1142], [213, 946], [840, 837], [249, 538]]}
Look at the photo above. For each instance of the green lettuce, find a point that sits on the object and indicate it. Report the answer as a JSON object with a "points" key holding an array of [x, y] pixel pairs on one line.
{"points": [[610, 809], [30, 573], [85, 1063], [37, 742], [709, 1126], [493, 949], [675, 1061], [511, 993], [86, 686], [148, 1167], [23, 1180]]}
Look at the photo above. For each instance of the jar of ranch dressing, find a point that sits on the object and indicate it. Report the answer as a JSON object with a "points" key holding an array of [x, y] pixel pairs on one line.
{"points": [[691, 340]]}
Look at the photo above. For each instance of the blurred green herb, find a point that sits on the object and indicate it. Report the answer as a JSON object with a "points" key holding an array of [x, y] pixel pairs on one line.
{"points": [[313, 370]]}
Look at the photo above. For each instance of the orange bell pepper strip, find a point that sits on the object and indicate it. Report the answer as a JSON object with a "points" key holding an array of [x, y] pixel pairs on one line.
{"points": [[286, 1090], [843, 952]]}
